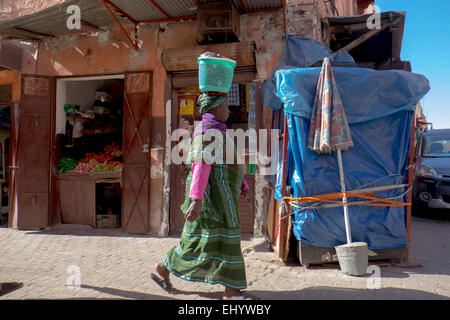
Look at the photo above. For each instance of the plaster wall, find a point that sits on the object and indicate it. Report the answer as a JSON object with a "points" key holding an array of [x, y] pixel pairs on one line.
{"points": [[110, 53]]}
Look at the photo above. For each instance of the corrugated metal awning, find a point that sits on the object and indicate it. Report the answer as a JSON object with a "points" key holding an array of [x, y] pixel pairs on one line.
{"points": [[94, 15], [53, 21]]}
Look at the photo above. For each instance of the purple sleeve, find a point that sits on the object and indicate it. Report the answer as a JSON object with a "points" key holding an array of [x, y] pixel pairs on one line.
{"points": [[200, 175], [244, 185]]}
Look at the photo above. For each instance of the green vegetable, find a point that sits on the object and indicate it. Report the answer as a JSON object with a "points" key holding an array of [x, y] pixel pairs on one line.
{"points": [[66, 164]]}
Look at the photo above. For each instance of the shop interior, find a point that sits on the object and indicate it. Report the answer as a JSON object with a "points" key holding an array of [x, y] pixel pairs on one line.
{"points": [[89, 135]]}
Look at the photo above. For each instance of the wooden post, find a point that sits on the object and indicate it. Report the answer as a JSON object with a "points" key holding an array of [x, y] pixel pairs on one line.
{"points": [[410, 179], [283, 185]]}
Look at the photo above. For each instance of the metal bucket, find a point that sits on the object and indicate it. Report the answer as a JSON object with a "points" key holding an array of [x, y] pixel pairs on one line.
{"points": [[353, 258]]}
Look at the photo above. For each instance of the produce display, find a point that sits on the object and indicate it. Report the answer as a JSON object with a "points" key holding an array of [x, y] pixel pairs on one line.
{"points": [[105, 161], [66, 164]]}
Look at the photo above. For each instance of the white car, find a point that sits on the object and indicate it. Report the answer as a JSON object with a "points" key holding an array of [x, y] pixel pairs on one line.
{"points": [[431, 185]]}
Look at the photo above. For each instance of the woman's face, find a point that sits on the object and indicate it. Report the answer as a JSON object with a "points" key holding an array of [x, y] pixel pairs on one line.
{"points": [[221, 112]]}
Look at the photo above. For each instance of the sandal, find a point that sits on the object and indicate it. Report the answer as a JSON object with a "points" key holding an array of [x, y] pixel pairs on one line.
{"points": [[243, 296], [165, 284]]}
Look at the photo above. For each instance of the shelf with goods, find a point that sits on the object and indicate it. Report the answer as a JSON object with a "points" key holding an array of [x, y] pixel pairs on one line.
{"points": [[90, 162], [93, 138]]}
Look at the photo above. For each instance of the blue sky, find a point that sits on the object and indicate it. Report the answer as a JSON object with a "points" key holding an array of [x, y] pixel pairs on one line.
{"points": [[426, 43]]}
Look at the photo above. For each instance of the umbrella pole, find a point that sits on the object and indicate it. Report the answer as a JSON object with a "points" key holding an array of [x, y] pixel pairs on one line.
{"points": [[344, 198]]}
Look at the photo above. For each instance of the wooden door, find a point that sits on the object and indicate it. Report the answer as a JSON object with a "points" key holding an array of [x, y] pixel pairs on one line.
{"points": [[178, 176], [136, 156], [30, 167]]}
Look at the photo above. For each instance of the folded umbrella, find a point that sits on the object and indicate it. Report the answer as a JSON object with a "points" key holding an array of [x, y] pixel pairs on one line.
{"points": [[329, 130]]}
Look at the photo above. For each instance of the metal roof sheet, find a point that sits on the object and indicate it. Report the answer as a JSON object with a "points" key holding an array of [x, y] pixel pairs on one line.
{"points": [[139, 9], [52, 21], [253, 4]]}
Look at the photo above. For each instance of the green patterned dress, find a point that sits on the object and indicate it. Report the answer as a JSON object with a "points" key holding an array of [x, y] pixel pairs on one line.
{"points": [[210, 247]]}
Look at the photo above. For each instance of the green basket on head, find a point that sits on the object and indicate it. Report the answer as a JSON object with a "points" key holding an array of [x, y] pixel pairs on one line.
{"points": [[215, 74]]}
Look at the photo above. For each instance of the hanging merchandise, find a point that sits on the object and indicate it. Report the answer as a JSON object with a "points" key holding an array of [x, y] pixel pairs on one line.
{"points": [[77, 128], [187, 105], [234, 96], [102, 102], [71, 109]]}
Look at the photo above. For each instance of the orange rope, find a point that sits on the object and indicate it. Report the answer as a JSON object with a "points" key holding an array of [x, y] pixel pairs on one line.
{"points": [[328, 197]]}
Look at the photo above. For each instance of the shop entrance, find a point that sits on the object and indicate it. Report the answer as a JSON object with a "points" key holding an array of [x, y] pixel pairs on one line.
{"points": [[242, 104], [5, 116], [89, 139], [103, 131], [60, 128]]}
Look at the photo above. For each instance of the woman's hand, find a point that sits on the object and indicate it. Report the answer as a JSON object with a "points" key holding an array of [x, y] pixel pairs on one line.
{"points": [[248, 197], [194, 210]]}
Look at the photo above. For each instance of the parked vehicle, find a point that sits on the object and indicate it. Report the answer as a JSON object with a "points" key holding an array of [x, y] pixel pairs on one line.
{"points": [[431, 185]]}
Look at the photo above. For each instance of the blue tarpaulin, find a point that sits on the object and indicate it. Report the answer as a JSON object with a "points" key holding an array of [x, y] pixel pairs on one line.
{"points": [[379, 106]]}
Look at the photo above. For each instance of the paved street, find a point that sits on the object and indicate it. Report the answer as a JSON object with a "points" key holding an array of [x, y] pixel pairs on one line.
{"points": [[111, 265]]}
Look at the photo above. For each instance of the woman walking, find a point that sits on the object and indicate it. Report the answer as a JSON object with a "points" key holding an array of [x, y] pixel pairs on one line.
{"points": [[209, 249]]}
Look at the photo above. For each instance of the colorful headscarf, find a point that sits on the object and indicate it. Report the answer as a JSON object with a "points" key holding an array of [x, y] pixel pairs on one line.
{"points": [[207, 102]]}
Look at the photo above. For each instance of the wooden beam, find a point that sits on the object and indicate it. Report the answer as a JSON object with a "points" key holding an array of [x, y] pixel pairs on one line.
{"points": [[90, 26], [185, 58], [357, 26], [164, 13], [169, 19], [263, 10], [121, 11], [241, 2], [134, 44], [364, 38], [30, 34]]}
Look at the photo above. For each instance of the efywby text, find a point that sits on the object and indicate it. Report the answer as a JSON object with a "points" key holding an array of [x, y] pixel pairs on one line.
{"points": [[237, 309]]}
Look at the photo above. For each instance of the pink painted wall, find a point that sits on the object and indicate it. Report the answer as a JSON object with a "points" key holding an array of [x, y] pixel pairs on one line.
{"points": [[111, 53]]}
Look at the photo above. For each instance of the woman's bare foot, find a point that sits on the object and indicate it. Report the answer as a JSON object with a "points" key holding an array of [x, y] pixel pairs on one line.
{"points": [[162, 271], [230, 293], [163, 279], [233, 294]]}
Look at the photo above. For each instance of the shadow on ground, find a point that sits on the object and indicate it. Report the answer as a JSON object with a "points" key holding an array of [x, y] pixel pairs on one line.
{"points": [[332, 293], [310, 293], [176, 294], [125, 294], [437, 215]]}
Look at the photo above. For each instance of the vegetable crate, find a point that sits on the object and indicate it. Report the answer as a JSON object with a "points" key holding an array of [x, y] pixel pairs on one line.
{"points": [[108, 221]]}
